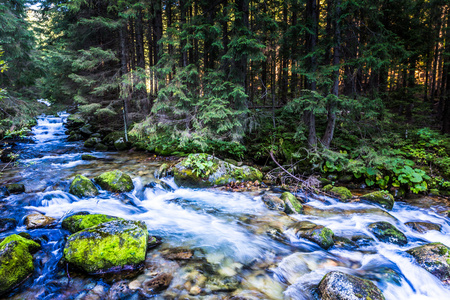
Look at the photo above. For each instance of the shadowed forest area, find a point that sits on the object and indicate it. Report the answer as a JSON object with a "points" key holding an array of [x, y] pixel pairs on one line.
{"points": [[357, 90]]}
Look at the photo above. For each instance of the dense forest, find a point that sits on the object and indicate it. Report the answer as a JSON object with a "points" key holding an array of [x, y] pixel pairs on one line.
{"points": [[359, 88]]}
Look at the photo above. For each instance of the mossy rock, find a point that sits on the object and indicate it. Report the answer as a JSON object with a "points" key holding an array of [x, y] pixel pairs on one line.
{"points": [[108, 247], [82, 186], [75, 121], [327, 188], [435, 258], [121, 145], [318, 234], [15, 188], [388, 233], [101, 147], [110, 138], [76, 222], [74, 136], [203, 170], [293, 206], [423, 227], [342, 193], [16, 262], [115, 181], [382, 198], [273, 202], [338, 285], [91, 142]]}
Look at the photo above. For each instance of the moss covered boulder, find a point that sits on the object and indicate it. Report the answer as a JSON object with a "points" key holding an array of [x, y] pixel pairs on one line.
{"points": [[16, 262], [120, 144], [382, 198], [82, 186], [15, 188], [79, 222], [435, 258], [115, 181], [88, 157], [91, 142], [388, 233], [338, 285], [108, 247], [293, 206], [274, 203], [423, 227], [203, 170], [318, 234]]}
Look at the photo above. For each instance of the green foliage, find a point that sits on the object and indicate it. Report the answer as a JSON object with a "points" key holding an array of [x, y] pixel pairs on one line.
{"points": [[200, 164]]}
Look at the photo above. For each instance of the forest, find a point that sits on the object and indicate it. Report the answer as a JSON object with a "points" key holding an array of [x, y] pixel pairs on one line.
{"points": [[357, 87]]}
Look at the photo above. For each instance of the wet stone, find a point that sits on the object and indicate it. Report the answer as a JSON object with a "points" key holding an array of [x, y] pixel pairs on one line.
{"points": [[37, 220], [274, 203], [177, 254], [318, 234], [388, 233], [15, 188], [157, 284], [7, 224], [435, 258], [423, 227]]}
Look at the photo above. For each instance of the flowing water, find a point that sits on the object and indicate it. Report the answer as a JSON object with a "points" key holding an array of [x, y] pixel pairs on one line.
{"points": [[231, 235]]}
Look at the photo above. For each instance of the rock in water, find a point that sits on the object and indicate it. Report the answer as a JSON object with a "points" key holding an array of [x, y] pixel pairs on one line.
{"points": [[423, 227], [16, 262], [274, 203], [388, 233], [35, 221], [435, 258], [318, 234], [382, 198], [293, 206], [109, 247], [15, 188], [203, 170], [115, 181], [341, 286], [341, 192], [7, 224], [82, 187], [79, 222]]}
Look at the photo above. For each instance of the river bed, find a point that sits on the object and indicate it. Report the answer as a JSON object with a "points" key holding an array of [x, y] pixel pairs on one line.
{"points": [[230, 234]]}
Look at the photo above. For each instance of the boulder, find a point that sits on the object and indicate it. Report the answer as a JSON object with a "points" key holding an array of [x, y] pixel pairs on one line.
{"points": [[16, 262], [157, 284], [120, 144], [74, 136], [110, 138], [340, 192], [79, 222], [38, 220], [382, 198], [82, 186], [423, 227], [115, 181], [7, 224], [91, 142], [318, 234], [203, 170], [293, 206], [101, 147], [88, 157], [435, 258], [273, 202], [108, 247], [75, 121], [338, 285], [15, 188], [388, 233]]}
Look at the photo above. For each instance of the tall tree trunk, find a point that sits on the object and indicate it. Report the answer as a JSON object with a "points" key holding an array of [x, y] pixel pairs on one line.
{"points": [[183, 57]]}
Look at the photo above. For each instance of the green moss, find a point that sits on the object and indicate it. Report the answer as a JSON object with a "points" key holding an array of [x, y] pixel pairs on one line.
{"points": [[117, 243], [16, 262], [292, 204], [386, 232], [342, 192], [15, 188], [88, 157], [115, 181], [79, 222], [81, 186], [382, 198], [327, 188]]}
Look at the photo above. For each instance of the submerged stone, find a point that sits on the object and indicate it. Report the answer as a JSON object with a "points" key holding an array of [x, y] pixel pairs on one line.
{"points": [[81, 186], [203, 170], [382, 198], [338, 285], [108, 247], [76, 223], [423, 227], [88, 157], [318, 234], [293, 206], [388, 233], [115, 181], [16, 262], [273, 202], [7, 224], [157, 284], [435, 258], [38, 220]]}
